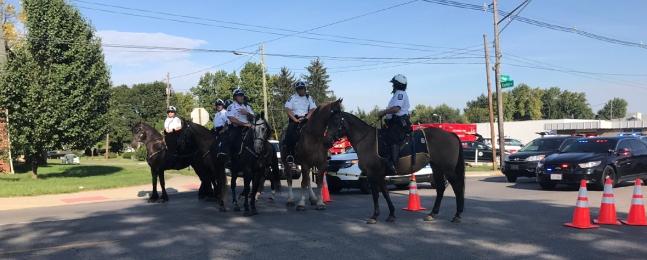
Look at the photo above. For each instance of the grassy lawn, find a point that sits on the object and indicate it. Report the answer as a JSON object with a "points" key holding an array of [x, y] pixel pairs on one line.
{"points": [[91, 174], [478, 168]]}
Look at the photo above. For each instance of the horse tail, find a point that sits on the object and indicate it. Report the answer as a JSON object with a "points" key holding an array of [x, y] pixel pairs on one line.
{"points": [[460, 164]]}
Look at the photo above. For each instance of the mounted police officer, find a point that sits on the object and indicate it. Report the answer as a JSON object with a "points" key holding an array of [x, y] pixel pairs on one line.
{"points": [[172, 129], [220, 122], [239, 114], [396, 119], [299, 109]]}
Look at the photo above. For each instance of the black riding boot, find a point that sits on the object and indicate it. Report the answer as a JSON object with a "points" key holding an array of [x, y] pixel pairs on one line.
{"points": [[395, 157]]}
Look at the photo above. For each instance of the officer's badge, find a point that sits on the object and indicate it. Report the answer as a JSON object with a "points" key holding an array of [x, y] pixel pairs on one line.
{"points": [[400, 96]]}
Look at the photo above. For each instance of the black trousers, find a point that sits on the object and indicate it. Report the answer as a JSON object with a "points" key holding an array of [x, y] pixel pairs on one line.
{"points": [[292, 135], [236, 136], [171, 140]]}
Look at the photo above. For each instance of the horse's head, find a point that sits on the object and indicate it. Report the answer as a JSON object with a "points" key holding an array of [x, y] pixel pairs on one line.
{"points": [[139, 135], [336, 127], [262, 132]]}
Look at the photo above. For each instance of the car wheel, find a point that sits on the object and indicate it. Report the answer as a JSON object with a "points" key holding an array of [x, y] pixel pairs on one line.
{"points": [[403, 186], [511, 178], [334, 184], [364, 186], [547, 185], [611, 173]]}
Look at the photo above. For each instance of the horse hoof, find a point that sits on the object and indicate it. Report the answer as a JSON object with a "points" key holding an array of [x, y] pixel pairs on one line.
{"points": [[290, 204], [429, 218], [222, 209], [237, 208], [254, 212], [390, 219], [247, 214], [301, 208], [371, 221], [313, 203], [152, 200], [456, 220], [320, 207], [270, 200]]}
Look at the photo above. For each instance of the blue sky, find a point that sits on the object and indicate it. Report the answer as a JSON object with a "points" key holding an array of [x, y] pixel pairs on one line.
{"points": [[419, 23]]}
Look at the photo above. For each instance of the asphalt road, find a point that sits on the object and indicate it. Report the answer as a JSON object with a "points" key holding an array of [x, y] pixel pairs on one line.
{"points": [[501, 221]]}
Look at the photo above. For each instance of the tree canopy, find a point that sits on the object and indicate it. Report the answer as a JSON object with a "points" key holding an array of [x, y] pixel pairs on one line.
{"points": [[614, 108]]}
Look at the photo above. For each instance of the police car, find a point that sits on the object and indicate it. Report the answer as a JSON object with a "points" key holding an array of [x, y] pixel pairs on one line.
{"points": [[344, 172]]}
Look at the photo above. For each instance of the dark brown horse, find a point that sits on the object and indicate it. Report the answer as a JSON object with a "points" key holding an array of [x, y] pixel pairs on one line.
{"points": [[443, 152], [200, 155], [311, 152]]}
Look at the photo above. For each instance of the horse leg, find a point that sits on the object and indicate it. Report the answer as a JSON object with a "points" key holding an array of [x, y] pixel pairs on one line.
{"points": [[312, 196], [458, 185], [247, 179], [439, 180], [257, 181], [154, 196], [305, 184], [163, 187], [376, 204], [288, 177], [387, 197], [234, 197], [221, 181], [320, 175]]}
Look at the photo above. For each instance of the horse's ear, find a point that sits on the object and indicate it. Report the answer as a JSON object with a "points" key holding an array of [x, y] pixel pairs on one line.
{"points": [[339, 100]]}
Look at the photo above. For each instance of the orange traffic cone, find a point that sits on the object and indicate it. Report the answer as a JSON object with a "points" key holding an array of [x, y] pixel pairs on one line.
{"points": [[414, 198], [582, 215], [607, 214], [637, 211], [325, 195]]}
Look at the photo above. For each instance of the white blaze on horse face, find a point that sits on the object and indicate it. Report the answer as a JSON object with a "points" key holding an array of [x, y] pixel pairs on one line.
{"points": [[259, 135]]}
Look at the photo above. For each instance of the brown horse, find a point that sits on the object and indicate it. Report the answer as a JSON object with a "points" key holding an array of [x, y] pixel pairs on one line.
{"points": [[442, 150], [311, 152]]}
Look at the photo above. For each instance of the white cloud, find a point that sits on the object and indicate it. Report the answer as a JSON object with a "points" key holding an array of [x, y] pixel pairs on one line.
{"points": [[139, 57]]}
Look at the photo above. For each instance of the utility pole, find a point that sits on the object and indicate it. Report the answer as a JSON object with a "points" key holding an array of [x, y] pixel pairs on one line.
{"points": [[107, 146], [489, 100], [264, 82], [168, 90], [497, 76]]}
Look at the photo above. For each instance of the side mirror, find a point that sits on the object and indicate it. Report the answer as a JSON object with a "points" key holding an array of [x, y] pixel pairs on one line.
{"points": [[624, 152]]}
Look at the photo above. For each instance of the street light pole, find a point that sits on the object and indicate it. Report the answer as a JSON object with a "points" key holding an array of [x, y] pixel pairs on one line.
{"points": [[497, 79]]}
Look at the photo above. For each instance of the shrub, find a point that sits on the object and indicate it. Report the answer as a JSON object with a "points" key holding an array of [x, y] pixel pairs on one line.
{"points": [[140, 153], [127, 155]]}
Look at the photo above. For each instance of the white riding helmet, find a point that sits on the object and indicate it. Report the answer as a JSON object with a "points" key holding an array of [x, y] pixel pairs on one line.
{"points": [[171, 109], [400, 79]]}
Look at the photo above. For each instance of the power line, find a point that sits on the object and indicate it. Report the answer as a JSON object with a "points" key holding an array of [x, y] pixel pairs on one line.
{"points": [[541, 23], [290, 32]]}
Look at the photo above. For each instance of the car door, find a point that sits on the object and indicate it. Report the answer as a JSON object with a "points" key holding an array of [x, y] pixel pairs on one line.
{"points": [[625, 163], [639, 151]]}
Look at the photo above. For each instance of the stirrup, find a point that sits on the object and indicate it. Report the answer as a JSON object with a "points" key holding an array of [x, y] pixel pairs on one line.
{"points": [[289, 159]]}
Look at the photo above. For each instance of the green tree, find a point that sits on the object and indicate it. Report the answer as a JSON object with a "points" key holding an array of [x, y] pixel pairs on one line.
{"points": [[122, 117], [251, 80], [550, 100], [185, 103], [477, 111], [429, 114], [574, 105], [527, 102], [148, 101], [280, 91], [614, 108], [57, 85], [317, 80], [213, 86]]}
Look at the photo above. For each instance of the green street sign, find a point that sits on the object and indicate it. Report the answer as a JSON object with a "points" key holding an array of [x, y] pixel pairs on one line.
{"points": [[507, 84], [505, 78]]}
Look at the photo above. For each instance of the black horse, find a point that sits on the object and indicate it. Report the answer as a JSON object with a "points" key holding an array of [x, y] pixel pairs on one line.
{"points": [[311, 151], [198, 153], [256, 159], [442, 150]]}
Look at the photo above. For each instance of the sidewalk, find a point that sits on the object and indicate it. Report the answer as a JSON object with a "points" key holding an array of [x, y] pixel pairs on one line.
{"points": [[179, 183], [483, 174]]}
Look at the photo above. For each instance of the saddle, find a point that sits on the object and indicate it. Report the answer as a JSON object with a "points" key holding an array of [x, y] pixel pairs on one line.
{"points": [[413, 152], [184, 155]]}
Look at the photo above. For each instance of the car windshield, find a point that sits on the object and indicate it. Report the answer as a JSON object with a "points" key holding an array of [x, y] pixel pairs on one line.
{"points": [[513, 142], [350, 150], [539, 145], [590, 146]]}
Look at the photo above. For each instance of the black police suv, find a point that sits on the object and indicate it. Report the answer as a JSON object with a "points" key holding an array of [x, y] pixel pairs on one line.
{"points": [[524, 162], [620, 158]]}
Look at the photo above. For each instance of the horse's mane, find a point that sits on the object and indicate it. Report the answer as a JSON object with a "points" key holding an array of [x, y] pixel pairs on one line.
{"points": [[349, 115]]}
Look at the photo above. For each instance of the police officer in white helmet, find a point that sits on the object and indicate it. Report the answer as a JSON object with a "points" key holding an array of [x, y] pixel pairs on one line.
{"points": [[220, 122], [172, 128], [299, 109], [396, 119], [239, 114]]}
